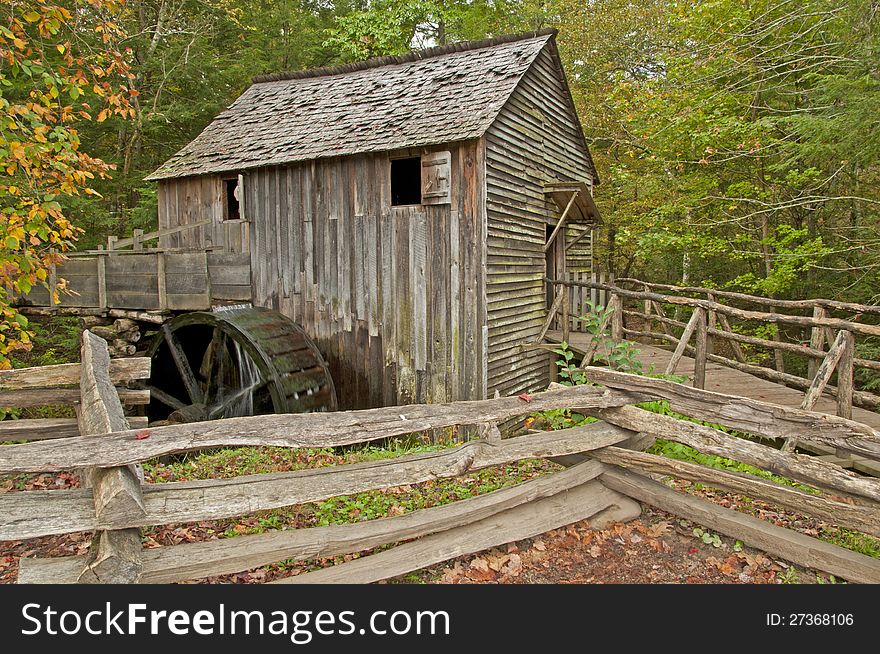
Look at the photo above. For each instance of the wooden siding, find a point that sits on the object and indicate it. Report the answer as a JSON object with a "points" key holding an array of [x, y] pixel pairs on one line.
{"points": [[189, 200], [176, 281], [536, 139], [393, 296]]}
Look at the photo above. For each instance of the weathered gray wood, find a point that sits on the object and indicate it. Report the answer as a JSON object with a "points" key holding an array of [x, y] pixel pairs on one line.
{"points": [[701, 350], [845, 389], [697, 317], [756, 299], [754, 532], [115, 555], [293, 430], [743, 314], [561, 221], [525, 521], [551, 315], [144, 316], [64, 374], [115, 558], [860, 518], [615, 307], [751, 416], [161, 282], [597, 340], [817, 387], [817, 340], [807, 469], [37, 513], [64, 396], [37, 429], [225, 556], [725, 324], [862, 399]]}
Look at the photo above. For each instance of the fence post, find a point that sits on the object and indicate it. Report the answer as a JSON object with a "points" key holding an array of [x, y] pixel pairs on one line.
{"points": [[702, 350], [845, 376], [696, 317], [713, 324], [566, 316], [615, 304], [137, 236], [817, 341], [115, 555]]}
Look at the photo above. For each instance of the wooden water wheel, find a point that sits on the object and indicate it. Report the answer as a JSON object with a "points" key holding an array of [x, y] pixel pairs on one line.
{"points": [[234, 362]]}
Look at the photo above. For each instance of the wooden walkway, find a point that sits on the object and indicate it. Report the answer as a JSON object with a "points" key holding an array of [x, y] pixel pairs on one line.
{"points": [[722, 379]]}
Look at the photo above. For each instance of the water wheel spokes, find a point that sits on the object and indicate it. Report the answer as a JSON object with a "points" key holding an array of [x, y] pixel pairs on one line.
{"points": [[234, 362], [183, 367]]}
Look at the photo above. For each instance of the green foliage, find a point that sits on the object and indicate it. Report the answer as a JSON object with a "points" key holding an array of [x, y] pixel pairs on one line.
{"points": [[708, 537]]}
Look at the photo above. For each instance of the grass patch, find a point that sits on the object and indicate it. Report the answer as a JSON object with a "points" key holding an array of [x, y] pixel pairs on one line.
{"points": [[851, 540]]}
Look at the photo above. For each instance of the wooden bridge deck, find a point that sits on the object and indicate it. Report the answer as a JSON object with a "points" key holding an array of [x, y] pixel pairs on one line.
{"points": [[722, 379]]}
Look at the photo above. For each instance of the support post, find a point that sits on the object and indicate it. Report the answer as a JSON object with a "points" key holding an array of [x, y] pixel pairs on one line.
{"points": [[115, 555], [137, 237], [845, 376], [161, 280], [566, 317], [817, 341], [615, 306], [696, 317], [702, 351]]}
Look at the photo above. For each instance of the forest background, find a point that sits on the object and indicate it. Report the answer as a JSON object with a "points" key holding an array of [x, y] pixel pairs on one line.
{"points": [[737, 141]]}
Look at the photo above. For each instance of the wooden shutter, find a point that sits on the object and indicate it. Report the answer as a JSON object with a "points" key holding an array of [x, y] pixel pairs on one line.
{"points": [[436, 178]]}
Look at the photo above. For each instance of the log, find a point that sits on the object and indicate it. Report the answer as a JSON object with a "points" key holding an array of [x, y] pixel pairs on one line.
{"points": [[225, 556], [734, 339], [748, 415], [293, 430], [116, 559], [823, 374], [524, 521], [742, 314], [696, 318], [38, 513], [37, 429], [65, 397], [116, 491], [551, 315], [861, 518], [845, 389], [756, 299], [141, 316], [760, 534], [701, 351], [68, 374], [860, 398], [801, 467]]}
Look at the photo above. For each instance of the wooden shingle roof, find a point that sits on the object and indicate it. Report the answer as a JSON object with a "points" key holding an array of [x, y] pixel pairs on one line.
{"points": [[434, 96]]}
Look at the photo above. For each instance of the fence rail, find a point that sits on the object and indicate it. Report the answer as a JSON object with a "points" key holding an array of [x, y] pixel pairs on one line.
{"points": [[711, 322], [607, 468]]}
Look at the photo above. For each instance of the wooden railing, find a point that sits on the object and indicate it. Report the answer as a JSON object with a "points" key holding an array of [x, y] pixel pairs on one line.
{"points": [[597, 485], [712, 321]]}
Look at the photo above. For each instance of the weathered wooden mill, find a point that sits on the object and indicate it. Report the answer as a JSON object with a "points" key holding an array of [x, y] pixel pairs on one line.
{"points": [[394, 218]]}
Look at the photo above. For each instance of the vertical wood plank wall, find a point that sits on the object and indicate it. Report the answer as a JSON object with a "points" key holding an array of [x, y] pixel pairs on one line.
{"points": [[393, 296], [191, 200], [534, 140]]}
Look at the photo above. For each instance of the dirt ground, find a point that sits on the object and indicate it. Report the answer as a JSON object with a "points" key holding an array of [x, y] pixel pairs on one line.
{"points": [[655, 548]]}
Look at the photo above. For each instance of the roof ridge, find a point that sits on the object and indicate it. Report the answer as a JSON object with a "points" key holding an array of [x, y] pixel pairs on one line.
{"points": [[415, 55]]}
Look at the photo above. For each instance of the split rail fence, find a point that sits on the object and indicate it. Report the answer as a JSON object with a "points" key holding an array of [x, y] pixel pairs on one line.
{"points": [[712, 322], [606, 470]]}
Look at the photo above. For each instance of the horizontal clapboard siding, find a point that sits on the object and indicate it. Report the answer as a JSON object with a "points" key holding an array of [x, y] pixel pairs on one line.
{"points": [[536, 139]]}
